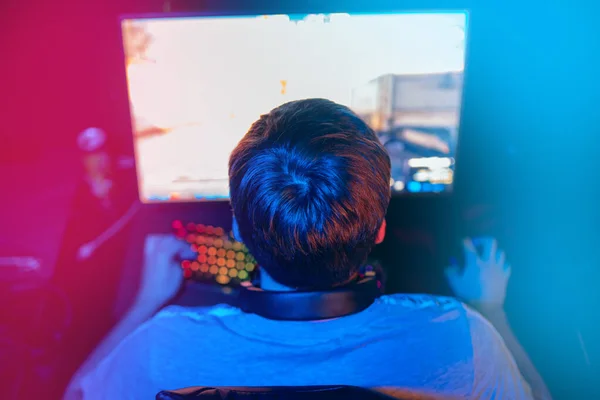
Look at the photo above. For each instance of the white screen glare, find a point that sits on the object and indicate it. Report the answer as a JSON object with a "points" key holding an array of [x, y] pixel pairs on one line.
{"points": [[196, 84]]}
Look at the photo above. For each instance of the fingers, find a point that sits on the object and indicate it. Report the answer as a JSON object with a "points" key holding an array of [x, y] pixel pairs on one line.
{"points": [[186, 251], [471, 256], [178, 248], [169, 245], [488, 247], [500, 258], [493, 249], [489, 255]]}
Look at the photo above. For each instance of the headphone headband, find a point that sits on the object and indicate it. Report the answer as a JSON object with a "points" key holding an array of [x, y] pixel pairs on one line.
{"points": [[309, 306]]}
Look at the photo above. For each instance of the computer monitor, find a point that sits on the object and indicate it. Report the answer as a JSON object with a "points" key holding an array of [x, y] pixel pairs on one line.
{"points": [[197, 83]]}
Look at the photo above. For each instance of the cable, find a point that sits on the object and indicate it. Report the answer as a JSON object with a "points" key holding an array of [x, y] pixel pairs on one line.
{"points": [[87, 249]]}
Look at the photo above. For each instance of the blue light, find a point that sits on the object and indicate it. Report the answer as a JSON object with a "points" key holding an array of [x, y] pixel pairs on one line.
{"points": [[158, 198], [413, 186]]}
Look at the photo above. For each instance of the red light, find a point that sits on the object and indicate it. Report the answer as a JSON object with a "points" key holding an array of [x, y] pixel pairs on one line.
{"points": [[186, 264], [191, 227], [180, 233], [177, 225], [187, 273]]}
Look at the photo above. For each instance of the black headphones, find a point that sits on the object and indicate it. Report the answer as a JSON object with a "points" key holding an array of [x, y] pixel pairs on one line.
{"points": [[309, 306]]}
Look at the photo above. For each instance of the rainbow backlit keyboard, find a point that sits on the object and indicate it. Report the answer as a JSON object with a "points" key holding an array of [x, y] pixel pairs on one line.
{"points": [[220, 258]]}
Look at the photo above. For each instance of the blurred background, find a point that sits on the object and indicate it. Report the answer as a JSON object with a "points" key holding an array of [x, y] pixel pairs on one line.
{"points": [[526, 174]]}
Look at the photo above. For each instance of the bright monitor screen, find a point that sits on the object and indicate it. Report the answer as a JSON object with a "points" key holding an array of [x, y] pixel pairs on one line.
{"points": [[197, 83]]}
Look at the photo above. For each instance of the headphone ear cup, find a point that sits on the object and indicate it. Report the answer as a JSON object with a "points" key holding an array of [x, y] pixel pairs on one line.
{"points": [[375, 268], [255, 279]]}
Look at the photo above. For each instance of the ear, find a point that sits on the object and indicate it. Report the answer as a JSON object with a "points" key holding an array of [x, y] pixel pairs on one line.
{"points": [[381, 233], [236, 230]]}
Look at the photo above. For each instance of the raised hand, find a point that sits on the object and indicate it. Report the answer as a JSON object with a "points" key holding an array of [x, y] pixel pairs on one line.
{"points": [[483, 280], [162, 276]]}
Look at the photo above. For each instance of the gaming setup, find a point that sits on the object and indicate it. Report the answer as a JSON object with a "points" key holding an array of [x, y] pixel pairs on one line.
{"points": [[197, 82]]}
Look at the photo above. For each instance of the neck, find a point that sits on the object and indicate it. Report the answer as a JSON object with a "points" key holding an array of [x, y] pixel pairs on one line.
{"points": [[267, 283]]}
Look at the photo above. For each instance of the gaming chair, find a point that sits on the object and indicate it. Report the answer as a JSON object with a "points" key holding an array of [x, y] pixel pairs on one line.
{"points": [[274, 393]]}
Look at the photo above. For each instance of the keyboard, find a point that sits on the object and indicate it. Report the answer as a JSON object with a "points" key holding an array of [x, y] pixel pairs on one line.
{"points": [[219, 257]]}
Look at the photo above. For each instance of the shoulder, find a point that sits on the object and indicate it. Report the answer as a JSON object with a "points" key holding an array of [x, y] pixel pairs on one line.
{"points": [[495, 370], [487, 341], [139, 356], [424, 302], [162, 330], [175, 321], [200, 315], [482, 331], [442, 316]]}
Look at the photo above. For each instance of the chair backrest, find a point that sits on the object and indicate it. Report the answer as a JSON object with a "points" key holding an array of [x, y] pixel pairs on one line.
{"points": [[336, 392]]}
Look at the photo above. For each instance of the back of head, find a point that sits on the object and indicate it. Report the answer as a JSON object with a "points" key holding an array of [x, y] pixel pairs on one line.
{"points": [[310, 186]]}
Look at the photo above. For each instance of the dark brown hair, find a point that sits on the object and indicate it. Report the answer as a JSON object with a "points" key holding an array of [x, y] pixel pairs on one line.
{"points": [[310, 187]]}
